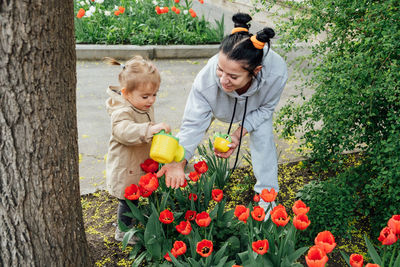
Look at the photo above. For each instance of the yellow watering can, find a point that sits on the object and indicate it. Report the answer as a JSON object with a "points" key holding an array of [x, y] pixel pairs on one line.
{"points": [[165, 148], [221, 142]]}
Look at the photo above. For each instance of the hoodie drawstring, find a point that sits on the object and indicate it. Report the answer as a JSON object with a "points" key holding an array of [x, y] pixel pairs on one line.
{"points": [[241, 130]]}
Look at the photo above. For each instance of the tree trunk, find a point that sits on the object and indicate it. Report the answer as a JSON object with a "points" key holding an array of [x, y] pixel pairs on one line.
{"points": [[41, 220]]}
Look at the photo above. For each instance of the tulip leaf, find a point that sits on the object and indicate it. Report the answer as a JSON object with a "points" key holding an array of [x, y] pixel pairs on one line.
{"points": [[152, 232], [345, 257], [174, 260], [135, 250], [136, 212], [220, 253], [139, 259], [372, 252], [295, 255], [193, 262], [221, 262], [128, 235], [165, 197], [397, 262]]}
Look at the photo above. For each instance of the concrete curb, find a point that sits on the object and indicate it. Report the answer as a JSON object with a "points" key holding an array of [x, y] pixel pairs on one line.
{"points": [[97, 52]]}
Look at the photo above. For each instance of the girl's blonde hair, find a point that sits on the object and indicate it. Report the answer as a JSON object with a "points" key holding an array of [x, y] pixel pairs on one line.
{"points": [[136, 72]]}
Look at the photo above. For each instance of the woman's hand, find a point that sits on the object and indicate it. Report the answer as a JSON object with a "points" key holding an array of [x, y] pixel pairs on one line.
{"points": [[232, 147], [235, 142], [174, 174]]}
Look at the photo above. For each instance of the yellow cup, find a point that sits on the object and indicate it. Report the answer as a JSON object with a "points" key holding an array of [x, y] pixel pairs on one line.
{"points": [[165, 148], [221, 142]]}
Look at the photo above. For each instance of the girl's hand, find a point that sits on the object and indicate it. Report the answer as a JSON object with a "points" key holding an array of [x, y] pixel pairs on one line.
{"points": [[227, 154], [156, 128], [174, 174]]}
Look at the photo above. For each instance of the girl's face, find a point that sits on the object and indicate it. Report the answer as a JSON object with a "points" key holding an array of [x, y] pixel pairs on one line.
{"points": [[142, 97], [232, 75]]}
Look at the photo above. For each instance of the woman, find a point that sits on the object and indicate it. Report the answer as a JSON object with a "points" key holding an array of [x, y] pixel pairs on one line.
{"points": [[243, 82]]}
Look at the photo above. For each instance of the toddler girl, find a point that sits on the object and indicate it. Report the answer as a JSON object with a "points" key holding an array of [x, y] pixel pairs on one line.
{"points": [[132, 122]]}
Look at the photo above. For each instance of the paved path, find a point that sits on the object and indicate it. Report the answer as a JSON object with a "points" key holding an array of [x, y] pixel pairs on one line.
{"points": [[177, 76]]}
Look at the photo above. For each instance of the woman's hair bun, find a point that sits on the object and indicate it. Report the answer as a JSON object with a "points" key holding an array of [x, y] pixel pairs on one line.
{"points": [[265, 34], [241, 20]]}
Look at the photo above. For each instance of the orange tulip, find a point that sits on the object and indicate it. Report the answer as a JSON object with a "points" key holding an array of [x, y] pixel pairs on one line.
{"points": [[258, 214], [372, 265], [316, 257], [121, 9], [193, 14], [184, 227], [279, 215], [260, 246], [194, 176], [326, 240], [394, 223], [300, 208], [387, 236], [179, 247], [217, 195], [268, 195], [177, 11], [174, 9], [203, 219], [132, 192], [356, 260], [201, 166], [117, 12], [301, 222], [166, 217], [158, 10], [242, 213], [204, 248], [81, 13]]}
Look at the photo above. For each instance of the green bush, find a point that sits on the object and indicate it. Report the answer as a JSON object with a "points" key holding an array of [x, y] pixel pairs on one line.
{"points": [[356, 104], [140, 24]]}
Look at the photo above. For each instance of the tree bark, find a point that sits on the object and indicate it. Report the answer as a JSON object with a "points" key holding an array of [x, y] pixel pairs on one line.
{"points": [[41, 220]]}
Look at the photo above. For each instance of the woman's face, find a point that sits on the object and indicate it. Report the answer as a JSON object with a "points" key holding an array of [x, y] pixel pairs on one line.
{"points": [[232, 75]]}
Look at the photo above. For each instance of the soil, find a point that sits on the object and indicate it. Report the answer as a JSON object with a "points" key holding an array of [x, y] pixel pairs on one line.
{"points": [[100, 211]]}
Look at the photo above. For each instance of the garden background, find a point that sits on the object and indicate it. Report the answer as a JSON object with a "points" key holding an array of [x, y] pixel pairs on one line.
{"points": [[355, 108]]}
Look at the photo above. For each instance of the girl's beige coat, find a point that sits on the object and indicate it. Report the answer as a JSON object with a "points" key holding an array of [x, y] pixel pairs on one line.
{"points": [[129, 144]]}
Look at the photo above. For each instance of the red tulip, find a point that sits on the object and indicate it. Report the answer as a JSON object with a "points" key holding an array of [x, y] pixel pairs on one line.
{"points": [[217, 195], [326, 240], [184, 227], [121, 9], [394, 223], [81, 13], [387, 236], [168, 258], [193, 14], [279, 215], [173, 8], [192, 196], [242, 213], [176, 1], [203, 219], [117, 13], [144, 192], [356, 260], [258, 214], [316, 257], [149, 182], [268, 195], [190, 215], [185, 183], [372, 265], [166, 217], [132, 192], [300, 208], [256, 198], [201, 167], [301, 221], [204, 247], [149, 165], [260, 246], [194, 176], [177, 11], [179, 247], [158, 10]]}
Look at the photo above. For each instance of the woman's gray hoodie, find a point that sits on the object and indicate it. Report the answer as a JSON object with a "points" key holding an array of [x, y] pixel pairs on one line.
{"points": [[207, 100]]}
